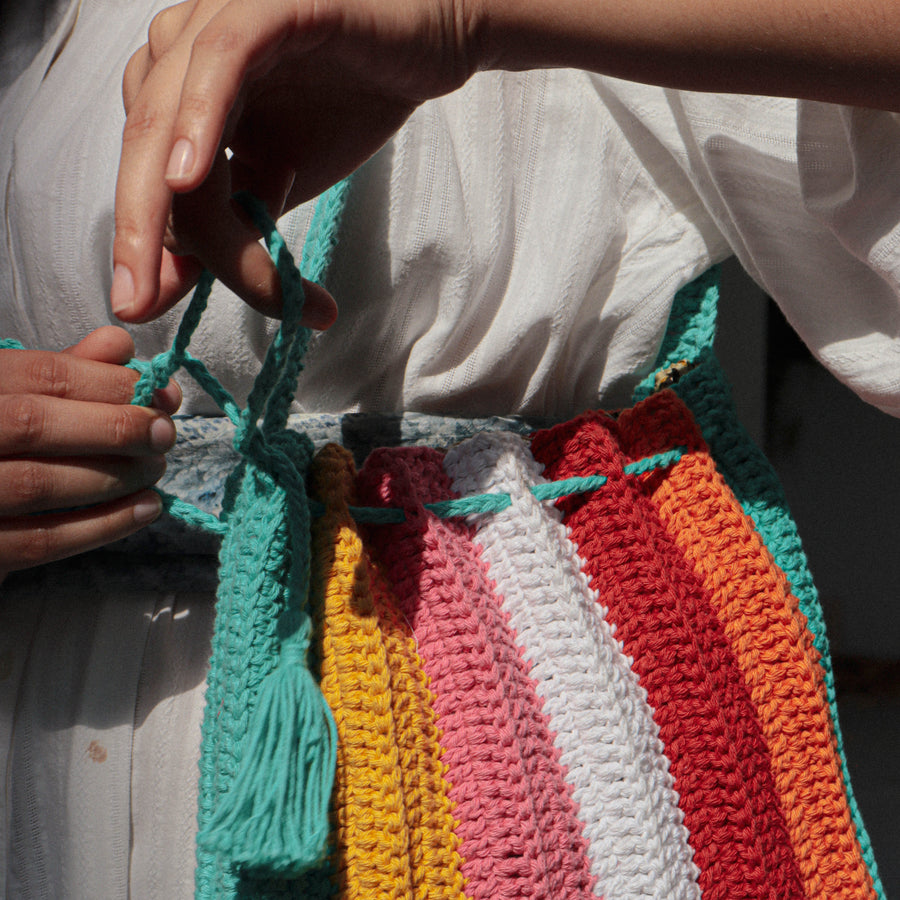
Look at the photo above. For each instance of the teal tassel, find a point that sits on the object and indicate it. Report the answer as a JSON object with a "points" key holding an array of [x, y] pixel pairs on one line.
{"points": [[273, 821]]}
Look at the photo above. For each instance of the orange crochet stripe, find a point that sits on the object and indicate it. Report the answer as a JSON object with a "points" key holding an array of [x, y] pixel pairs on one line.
{"points": [[394, 826], [676, 423], [752, 599]]}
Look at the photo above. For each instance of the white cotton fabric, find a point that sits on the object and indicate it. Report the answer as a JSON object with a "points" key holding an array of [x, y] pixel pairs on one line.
{"points": [[514, 249], [102, 673], [603, 724]]}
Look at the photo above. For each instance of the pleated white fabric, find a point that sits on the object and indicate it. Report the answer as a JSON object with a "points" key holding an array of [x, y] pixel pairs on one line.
{"points": [[603, 724], [515, 248], [102, 674]]}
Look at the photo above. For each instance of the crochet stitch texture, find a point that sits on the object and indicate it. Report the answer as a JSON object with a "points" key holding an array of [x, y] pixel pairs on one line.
{"points": [[666, 624], [394, 828], [705, 390], [768, 636], [519, 832], [609, 743], [594, 699]]}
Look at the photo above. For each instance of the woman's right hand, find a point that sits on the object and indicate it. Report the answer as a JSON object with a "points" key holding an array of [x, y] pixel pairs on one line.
{"points": [[300, 92], [76, 458]]}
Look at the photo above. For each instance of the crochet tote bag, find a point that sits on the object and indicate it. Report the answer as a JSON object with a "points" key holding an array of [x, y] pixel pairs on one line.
{"points": [[583, 661]]}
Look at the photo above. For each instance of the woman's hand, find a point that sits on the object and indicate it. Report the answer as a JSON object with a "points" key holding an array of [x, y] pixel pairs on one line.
{"points": [[301, 92], [70, 438]]}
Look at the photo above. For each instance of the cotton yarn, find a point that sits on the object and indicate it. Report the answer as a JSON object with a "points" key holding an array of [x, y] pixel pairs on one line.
{"points": [[706, 392], [560, 667], [599, 712], [768, 635]]}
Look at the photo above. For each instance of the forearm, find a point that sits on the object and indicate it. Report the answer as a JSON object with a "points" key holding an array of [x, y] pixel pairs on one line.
{"points": [[845, 51]]}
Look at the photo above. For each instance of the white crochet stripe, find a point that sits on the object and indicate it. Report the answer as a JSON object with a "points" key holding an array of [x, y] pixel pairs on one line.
{"points": [[638, 845]]}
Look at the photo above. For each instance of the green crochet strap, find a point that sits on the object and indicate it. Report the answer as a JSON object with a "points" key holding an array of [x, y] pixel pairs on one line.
{"points": [[704, 388], [269, 741]]}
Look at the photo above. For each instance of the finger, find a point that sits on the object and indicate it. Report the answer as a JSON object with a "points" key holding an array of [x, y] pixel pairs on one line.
{"points": [[168, 399], [34, 425], [142, 204], [40, 485], [167, 26], [34, 540], [142, 196], [210, 226], [223, 54], [114, 345], [178, 275], [65, 376], [109, 344], [320, 310], [135, 74]]}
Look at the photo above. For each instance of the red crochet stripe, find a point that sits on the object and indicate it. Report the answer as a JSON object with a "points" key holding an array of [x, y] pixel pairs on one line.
{"points": [[673, 425], [681, 655], [772, 645], [517, 822]]}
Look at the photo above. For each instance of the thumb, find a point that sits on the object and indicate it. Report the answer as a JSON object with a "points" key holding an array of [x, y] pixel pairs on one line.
{"points": [[108, 344]]}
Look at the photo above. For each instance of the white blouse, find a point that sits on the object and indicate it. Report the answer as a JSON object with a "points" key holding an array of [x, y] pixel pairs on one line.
{"points": [[514, 249]]}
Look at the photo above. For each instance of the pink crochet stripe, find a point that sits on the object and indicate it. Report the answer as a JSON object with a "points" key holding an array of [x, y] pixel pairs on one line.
{"points": [[518, 827]]}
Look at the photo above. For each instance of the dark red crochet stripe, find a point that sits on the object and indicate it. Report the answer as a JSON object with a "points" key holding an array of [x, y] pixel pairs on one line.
{"points": [[667, 625], [518, 824], [658, 424]]}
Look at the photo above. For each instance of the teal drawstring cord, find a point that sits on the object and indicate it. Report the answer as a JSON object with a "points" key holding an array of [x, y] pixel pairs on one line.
{"points": [[269, 742]]}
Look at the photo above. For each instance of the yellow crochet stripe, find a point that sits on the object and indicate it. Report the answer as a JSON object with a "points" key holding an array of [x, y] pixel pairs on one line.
{"points": [[767, 634], [394, 826], [434, 846], [372, 840]]}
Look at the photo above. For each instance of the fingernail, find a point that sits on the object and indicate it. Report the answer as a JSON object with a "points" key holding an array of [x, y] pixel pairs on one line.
{"points": [[121, 296], [162, 434], [147, 509], [181, 160]]}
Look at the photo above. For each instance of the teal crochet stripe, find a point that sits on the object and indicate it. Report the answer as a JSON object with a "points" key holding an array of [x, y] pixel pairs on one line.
{"points": [[690, 336], [11, 344]]}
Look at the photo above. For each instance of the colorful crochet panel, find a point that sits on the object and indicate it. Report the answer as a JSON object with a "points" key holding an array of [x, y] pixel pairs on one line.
{"points": [[562, 666], [612, 695]]}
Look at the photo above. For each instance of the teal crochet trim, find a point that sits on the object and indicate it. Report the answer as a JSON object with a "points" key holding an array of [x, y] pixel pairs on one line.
{"points": [[11, 344], [704, 388]]}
